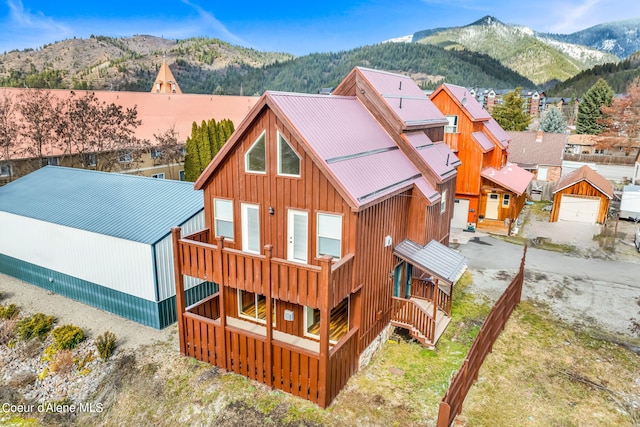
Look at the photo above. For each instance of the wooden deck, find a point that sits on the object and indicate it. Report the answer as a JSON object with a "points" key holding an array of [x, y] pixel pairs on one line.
{"points": [[493, 226], [442, 320]]}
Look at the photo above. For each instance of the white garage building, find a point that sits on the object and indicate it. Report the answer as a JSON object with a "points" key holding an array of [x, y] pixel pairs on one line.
{"points": [[100, 238]]}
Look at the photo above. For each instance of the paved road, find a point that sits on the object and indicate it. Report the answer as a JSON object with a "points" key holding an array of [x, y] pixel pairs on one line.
{"points": [[580, 291], [490, 253]]}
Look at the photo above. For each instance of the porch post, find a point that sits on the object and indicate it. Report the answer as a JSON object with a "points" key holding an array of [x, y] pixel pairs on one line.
{"points": [[267, 284], [435, 308], [324, 304], [218, 274], [179, 279]]}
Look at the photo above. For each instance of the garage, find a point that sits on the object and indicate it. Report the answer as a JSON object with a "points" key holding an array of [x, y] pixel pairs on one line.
{"points": [[579, 208], [460, 213], [582, 196]]}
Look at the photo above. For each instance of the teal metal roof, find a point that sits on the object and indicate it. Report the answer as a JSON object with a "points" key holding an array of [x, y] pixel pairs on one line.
{"points": [[125, 206]]}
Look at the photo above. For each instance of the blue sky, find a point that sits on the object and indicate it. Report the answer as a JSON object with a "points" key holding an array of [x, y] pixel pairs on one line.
{"points": [[297, 27]]}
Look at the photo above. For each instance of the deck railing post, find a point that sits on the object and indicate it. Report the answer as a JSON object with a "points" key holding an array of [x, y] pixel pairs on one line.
{"points": [[218, 274], [325, 318], [268, 249], [435, 310], [179, 278]]}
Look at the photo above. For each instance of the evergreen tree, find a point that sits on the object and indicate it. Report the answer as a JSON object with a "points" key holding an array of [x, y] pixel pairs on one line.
{"points": [[511, 115], [553, 122], [589, 110], [203, 144]]}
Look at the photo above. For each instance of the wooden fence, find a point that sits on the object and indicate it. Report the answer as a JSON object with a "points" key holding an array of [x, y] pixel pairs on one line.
{"points": [[451, 404], [603, 159]]}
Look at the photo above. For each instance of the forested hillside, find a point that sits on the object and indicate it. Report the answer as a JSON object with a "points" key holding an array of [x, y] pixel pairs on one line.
{"points": [[211, 66], [428, 65], [618, 76]]}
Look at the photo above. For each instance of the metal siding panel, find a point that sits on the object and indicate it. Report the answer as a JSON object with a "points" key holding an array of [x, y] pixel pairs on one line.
{"points": [[122, 265], [125, 305], [164, 259]]}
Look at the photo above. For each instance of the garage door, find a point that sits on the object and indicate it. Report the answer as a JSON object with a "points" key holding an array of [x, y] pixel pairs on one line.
{"points": [[460, 213], [579, 208]]}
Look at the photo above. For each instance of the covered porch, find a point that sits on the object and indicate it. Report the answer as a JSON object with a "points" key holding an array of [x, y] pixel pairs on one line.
{"points": [[423, 281]]}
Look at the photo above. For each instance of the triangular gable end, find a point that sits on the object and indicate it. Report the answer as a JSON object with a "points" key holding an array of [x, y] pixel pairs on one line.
{"points": [[265, 102]]}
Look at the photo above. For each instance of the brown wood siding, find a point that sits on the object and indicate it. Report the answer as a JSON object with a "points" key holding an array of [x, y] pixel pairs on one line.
{"points": [[582, 188], [312, 192], [388, 218]]}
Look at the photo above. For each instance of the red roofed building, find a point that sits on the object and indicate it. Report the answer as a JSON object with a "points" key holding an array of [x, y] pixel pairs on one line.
{"points": [[159, 111], [490, 192], [327, 223]]}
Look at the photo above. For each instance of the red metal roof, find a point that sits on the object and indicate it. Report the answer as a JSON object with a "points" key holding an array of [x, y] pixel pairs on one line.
{"points": [[511, 177], [404, 97], [468, 102], [354, 147], [483, 140], [525, 148], [585, 173], [500, 135], [159, 111], [439, 157]]}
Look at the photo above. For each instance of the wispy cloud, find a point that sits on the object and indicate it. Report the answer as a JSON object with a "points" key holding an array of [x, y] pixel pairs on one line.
{"points": [[574, 16], [212, 23], [24, 19]]}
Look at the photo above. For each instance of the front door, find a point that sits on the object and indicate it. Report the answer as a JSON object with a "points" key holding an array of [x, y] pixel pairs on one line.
{"points": [[493, 204], [297, 236]]}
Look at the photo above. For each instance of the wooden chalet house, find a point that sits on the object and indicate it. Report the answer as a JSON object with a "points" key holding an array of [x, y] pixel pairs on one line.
{"points": [[490, 192], [327, 222]]}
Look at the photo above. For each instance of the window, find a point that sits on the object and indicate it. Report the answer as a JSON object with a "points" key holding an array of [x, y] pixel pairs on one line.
{"points": [[155, 153], [181, 175], [506, 198], [223, 218], [254, 306], [125, 158], [443, 202], [158, 175], [452, 127], [52, 161], [255, 159], [5, 170], [90, 159], [288, 160], [251, 228], [183, 151], [338, 321], [542, 174], [329, 235]]}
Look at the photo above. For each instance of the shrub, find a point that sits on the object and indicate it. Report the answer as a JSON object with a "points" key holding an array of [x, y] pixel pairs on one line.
{"points": [[9, 312], [106, 344], [62, 362], [67, 337], [7, 331], [37, 325]]}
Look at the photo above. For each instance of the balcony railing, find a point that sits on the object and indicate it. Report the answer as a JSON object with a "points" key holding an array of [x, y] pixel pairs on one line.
{"points": [[289, 281], [425, 289]]}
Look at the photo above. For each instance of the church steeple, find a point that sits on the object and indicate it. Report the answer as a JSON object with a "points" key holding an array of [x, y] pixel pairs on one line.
{"points": [[165, 82]]}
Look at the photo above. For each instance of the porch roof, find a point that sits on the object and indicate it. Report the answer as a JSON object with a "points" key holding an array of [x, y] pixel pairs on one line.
{"points": [[434, 258], [511, 177]]}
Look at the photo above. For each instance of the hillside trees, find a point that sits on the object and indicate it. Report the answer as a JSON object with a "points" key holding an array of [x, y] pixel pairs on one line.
{"points": [[589, 111], [203, 144], [511, 115], [621, 121], [553, 122]]}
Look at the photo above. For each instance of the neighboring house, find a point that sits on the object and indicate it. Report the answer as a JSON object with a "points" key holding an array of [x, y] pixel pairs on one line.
{"points": [[582, 196], [100, 238], [581, 144], [327, 223], [490, 192], [165, 82], [541, 154], [158, 112]]}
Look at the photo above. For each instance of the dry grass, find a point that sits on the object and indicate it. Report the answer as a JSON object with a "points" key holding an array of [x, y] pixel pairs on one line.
{"points": [[542, 373], [62, 362]]}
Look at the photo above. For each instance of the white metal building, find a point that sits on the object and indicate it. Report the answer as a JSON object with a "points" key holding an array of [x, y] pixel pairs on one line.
{"points": [[100, 238]]}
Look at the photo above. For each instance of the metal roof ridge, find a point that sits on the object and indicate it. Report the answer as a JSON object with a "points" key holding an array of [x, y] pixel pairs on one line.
{"points": [[361, 154]]}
